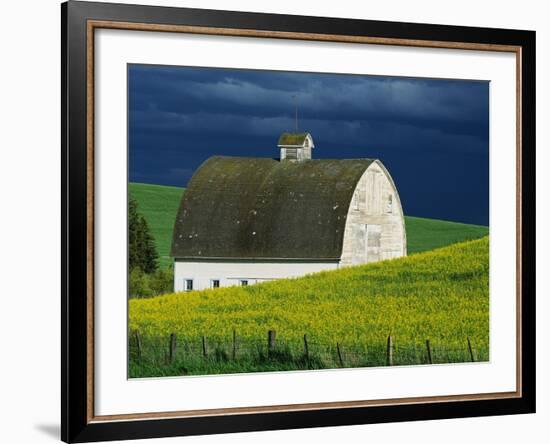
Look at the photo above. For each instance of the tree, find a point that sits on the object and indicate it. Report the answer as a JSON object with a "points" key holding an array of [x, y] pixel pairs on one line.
{"points": [[139, 284], [162, 281], [142, 252]]}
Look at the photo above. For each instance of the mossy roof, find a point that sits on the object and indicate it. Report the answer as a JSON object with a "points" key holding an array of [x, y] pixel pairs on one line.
{"points": [[237, 207], [292, 139]]}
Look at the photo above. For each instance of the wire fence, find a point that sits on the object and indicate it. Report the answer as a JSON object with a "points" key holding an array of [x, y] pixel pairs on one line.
{"points": [[305, 352]]}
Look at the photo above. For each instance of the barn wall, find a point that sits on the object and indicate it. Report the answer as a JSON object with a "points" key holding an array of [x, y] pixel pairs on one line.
{"points": [[232, 272], [301, 154], [375, 227]]}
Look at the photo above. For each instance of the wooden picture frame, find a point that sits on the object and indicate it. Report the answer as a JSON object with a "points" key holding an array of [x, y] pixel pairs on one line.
{"points": [[79, 22]]}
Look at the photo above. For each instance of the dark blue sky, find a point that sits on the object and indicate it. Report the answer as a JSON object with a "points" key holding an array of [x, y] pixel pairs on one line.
{"points": [[432, 135]]}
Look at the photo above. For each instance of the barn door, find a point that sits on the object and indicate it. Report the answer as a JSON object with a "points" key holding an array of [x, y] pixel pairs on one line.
{"points": [[372, 242]]}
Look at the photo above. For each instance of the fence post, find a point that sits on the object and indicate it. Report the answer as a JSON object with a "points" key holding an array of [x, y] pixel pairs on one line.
{"points": [[138, 344], [470, 350], [270, 341], [429, 351], [204, 351], [306, 348], [172, 348], [234, 348], [339, 355], [389, 351]]}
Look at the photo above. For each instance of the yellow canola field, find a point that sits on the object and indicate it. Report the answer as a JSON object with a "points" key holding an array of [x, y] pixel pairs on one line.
{"points": [[442, 295]]}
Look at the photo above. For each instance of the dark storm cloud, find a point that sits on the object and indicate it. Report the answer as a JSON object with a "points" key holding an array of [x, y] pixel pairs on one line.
{"points": [[431, 133], [325, 96]]}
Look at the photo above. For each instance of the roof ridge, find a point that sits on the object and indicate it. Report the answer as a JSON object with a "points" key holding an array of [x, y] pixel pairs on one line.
{"points": [[370, 159]]}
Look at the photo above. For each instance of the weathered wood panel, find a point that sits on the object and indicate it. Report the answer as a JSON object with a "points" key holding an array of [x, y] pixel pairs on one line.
{"points": [[375, 226]]}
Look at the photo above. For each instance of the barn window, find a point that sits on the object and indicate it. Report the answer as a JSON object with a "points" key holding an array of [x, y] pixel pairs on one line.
{"points": [[389, 204], [188, 284], [215, 283], [244, 282]]}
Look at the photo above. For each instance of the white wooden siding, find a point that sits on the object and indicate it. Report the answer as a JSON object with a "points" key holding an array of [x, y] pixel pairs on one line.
{"points": [[231, 272]]}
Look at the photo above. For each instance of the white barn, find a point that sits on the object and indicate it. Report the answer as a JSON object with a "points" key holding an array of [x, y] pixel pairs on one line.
{"points": [[246, 220]]}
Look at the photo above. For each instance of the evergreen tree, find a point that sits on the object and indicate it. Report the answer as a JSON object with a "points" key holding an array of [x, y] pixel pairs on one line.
{"points": [[142, 252]]}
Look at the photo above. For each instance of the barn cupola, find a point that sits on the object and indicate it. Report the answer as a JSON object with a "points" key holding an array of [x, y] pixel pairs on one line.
{"points": [[295, 146]]}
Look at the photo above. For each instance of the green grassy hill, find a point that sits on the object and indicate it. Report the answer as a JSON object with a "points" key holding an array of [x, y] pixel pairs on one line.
{"points": [[426, 234], [159, 205], [441, 295]]}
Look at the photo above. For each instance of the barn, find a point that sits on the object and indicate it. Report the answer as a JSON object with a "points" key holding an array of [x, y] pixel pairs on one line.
{"points": [[244, 220]]}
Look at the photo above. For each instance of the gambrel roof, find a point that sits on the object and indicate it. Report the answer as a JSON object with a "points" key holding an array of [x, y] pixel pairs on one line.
{"points": [[254, 208]]}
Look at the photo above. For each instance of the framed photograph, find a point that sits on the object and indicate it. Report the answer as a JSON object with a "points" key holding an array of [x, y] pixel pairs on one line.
{"points": [[275, 221]]}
